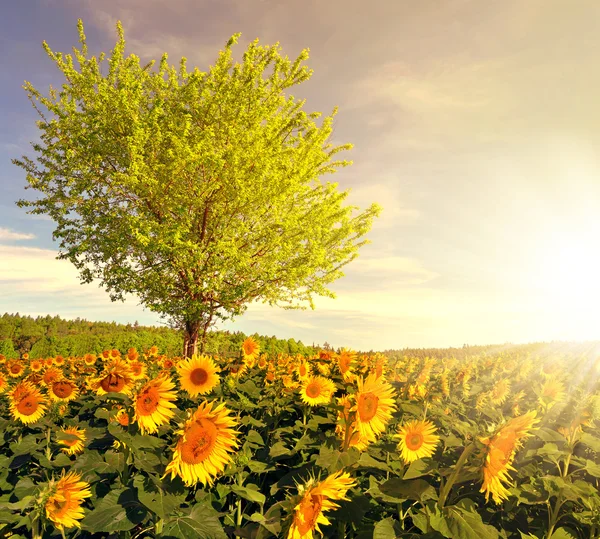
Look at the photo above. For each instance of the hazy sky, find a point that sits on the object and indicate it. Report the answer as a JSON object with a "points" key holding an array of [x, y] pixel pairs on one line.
{"points": [[476, 126]]}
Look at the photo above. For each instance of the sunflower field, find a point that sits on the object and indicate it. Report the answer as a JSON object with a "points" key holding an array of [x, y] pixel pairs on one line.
{"points": [[129, 444]]}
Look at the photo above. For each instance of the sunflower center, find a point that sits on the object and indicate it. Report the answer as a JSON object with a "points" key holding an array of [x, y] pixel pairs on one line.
{"points": [[367, 406], [313, 390], [28, 405], [199, 442], [303, 370], [70, 443], [113, 383], [198, 377], [148, 401], [136, 369], [344, 364], [15, 369], [62, 389], [307, 514], [414, 441]]}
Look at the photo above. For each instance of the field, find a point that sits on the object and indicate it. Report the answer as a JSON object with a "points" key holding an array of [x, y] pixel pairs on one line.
{"points": [[500, 443]]}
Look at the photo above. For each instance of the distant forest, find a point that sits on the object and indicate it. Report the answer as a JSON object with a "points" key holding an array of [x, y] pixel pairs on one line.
{"points": [[49, 336]]}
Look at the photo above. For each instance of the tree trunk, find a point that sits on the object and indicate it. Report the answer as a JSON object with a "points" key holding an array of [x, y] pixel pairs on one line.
{"points": [[190, 338]]}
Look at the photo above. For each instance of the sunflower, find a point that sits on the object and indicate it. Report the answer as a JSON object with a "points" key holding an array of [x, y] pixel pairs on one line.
{"points": [[303, 370], [63, 506], [3, 383], [89, 359], [138, 369], [345, 363], [59, 361], [552, 391], [500, 392], [115, 378], [27, 403], [132, 354], [237, 370], [250, 350], [346, 428], [36, 365], [153, 404], [198, 375], [15, 368], [63, 390], [500, 453], [317, 390], [122, 417], [417, 440], [153, 351], [374, 406], [51, 375], [316, 499], [202, 450], [262, 361], [73, 439]]}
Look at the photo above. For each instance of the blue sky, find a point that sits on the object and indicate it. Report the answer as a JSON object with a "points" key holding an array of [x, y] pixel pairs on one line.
{"points": [[476, 126]]}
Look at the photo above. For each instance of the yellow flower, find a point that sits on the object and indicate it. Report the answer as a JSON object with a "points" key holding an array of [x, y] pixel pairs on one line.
{"points": [[374, 405], [345, 362], [15, 368], [417, 440], [205, 441], [316, 499], [153, 404], [27, 403], [317, 390], [74, 440], [89, 359], [3, 383], [552, 391], [36, 365], [51, 375], [63, 507], [346, 428], [500, 453], [500, 392], [63, 390], [116, 377], [198, 375], [303, 370], [138, 369], [250, 349]]}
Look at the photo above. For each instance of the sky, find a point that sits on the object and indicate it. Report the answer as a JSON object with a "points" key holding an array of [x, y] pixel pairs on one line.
{"points": [[476, 125]]}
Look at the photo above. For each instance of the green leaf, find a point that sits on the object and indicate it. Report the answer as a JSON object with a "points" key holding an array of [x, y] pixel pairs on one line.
{"points": [[418, 468], [250, 493], [367, 461], [203, 521], [414, 489], [155, 498], [548, 435], [26, 446], [255, 438], [466, 524], [563, 533], [592, 468], [591, 441], [385, 529], [119, 510], [24, 487]]}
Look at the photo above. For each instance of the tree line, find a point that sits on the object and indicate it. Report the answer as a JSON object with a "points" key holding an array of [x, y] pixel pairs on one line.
{"points": [[48, 336]]}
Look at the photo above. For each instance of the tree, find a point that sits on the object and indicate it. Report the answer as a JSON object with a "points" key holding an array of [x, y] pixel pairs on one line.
{"points": [[197, 192]]}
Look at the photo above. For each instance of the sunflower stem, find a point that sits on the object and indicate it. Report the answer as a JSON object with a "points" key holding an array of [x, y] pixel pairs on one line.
{"points": [[48, 450], [445, 490]]}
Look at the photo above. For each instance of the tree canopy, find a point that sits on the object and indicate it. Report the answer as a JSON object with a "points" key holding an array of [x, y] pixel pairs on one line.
{"points": [[197, 192]]}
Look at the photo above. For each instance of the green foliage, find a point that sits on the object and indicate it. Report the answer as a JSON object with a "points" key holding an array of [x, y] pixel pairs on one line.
{"points": [[79, 337], [198, 192]]}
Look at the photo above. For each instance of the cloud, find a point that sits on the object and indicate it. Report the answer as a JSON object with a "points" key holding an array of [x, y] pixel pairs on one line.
{"points": [[8, 234], [33, 281]]}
